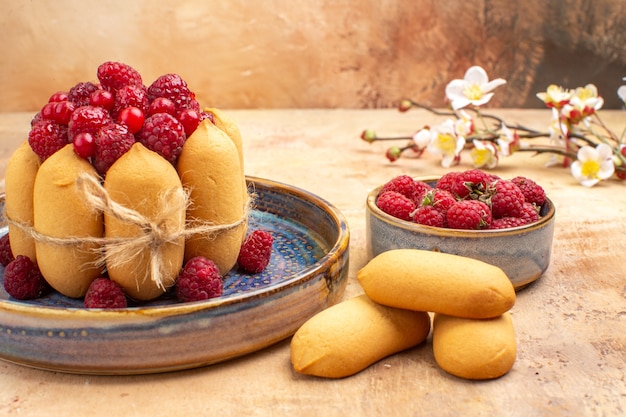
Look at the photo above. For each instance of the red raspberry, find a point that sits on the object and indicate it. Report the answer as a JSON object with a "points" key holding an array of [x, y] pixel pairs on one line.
{"points": [[81, 93], [104, 293], [115, 75], [47, 137], [22, 279], [173, 87], [533, 192], [255, 251], [440, 199], [469, 215], [6, 254], [429, 216], [130, 96], [507, 222], [205, 115], [507, 200], [200, 279], [471, 183], [88, 119], [403, 184], [396, 205], [530, 213], [163, 134], [446, 181], [38, 117], [112, 141]]}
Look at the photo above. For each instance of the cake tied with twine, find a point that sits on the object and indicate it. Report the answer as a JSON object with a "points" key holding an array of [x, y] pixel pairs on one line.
{"points": [[139, 221]]}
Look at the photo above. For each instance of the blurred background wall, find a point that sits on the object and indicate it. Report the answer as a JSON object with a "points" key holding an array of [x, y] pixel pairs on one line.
{"points": [[314, 53]]}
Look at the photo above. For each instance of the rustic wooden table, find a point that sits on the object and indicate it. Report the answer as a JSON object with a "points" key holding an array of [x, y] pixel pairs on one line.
{"points": [[570, 324]]}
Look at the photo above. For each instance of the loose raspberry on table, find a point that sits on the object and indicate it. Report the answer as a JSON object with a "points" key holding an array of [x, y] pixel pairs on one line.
{"points": [[22, 279], [429, 216], [111, 142], [533, 192], [80, 94], [396, 205], [200, 279], [46, 137], [163, 134], [174, 88], [88, 119], [6, 254], [255, 252], [104, 293], [469, 215], [507, 199], [115, 75]]}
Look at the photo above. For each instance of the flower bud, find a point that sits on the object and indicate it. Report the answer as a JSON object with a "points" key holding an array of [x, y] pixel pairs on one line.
{"points": [[368, 135], [405, 105], [393, 153]]}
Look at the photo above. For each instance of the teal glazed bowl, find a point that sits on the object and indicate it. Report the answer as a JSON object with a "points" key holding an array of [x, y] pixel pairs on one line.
{"points": [[307, 273], [523, 252]]}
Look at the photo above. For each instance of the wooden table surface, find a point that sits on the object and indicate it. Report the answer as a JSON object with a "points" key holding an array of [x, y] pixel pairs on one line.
{"points": [[570, 324]]}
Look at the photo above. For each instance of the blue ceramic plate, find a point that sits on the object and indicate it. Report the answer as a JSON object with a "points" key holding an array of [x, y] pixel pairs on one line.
{"points": [[307, 273]]}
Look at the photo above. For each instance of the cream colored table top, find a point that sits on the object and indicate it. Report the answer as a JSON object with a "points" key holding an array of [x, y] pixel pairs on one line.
{"points": [[570, 324]]}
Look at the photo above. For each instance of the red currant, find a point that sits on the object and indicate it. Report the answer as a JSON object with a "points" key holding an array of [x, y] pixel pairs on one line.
{"points": [[102, 98], [58, 96], [63, 112], [190, 119], [132, 118], [162, 105], [84, 145], [47, 111]]}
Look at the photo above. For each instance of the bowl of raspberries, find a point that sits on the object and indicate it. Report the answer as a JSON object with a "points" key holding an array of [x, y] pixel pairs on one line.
{"points": [[505, 222]]}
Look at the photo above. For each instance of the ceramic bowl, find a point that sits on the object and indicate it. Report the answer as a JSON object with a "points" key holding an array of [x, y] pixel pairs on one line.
{"points": [[523, 252], [307, 273]]}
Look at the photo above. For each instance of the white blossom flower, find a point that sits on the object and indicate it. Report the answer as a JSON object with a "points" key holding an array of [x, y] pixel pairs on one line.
{"points": [[507, 142], [555, 96], [422, 138], [593, 164], [464, 125], [484, 154], [446, 143], [475, 88], [584, 102]]}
